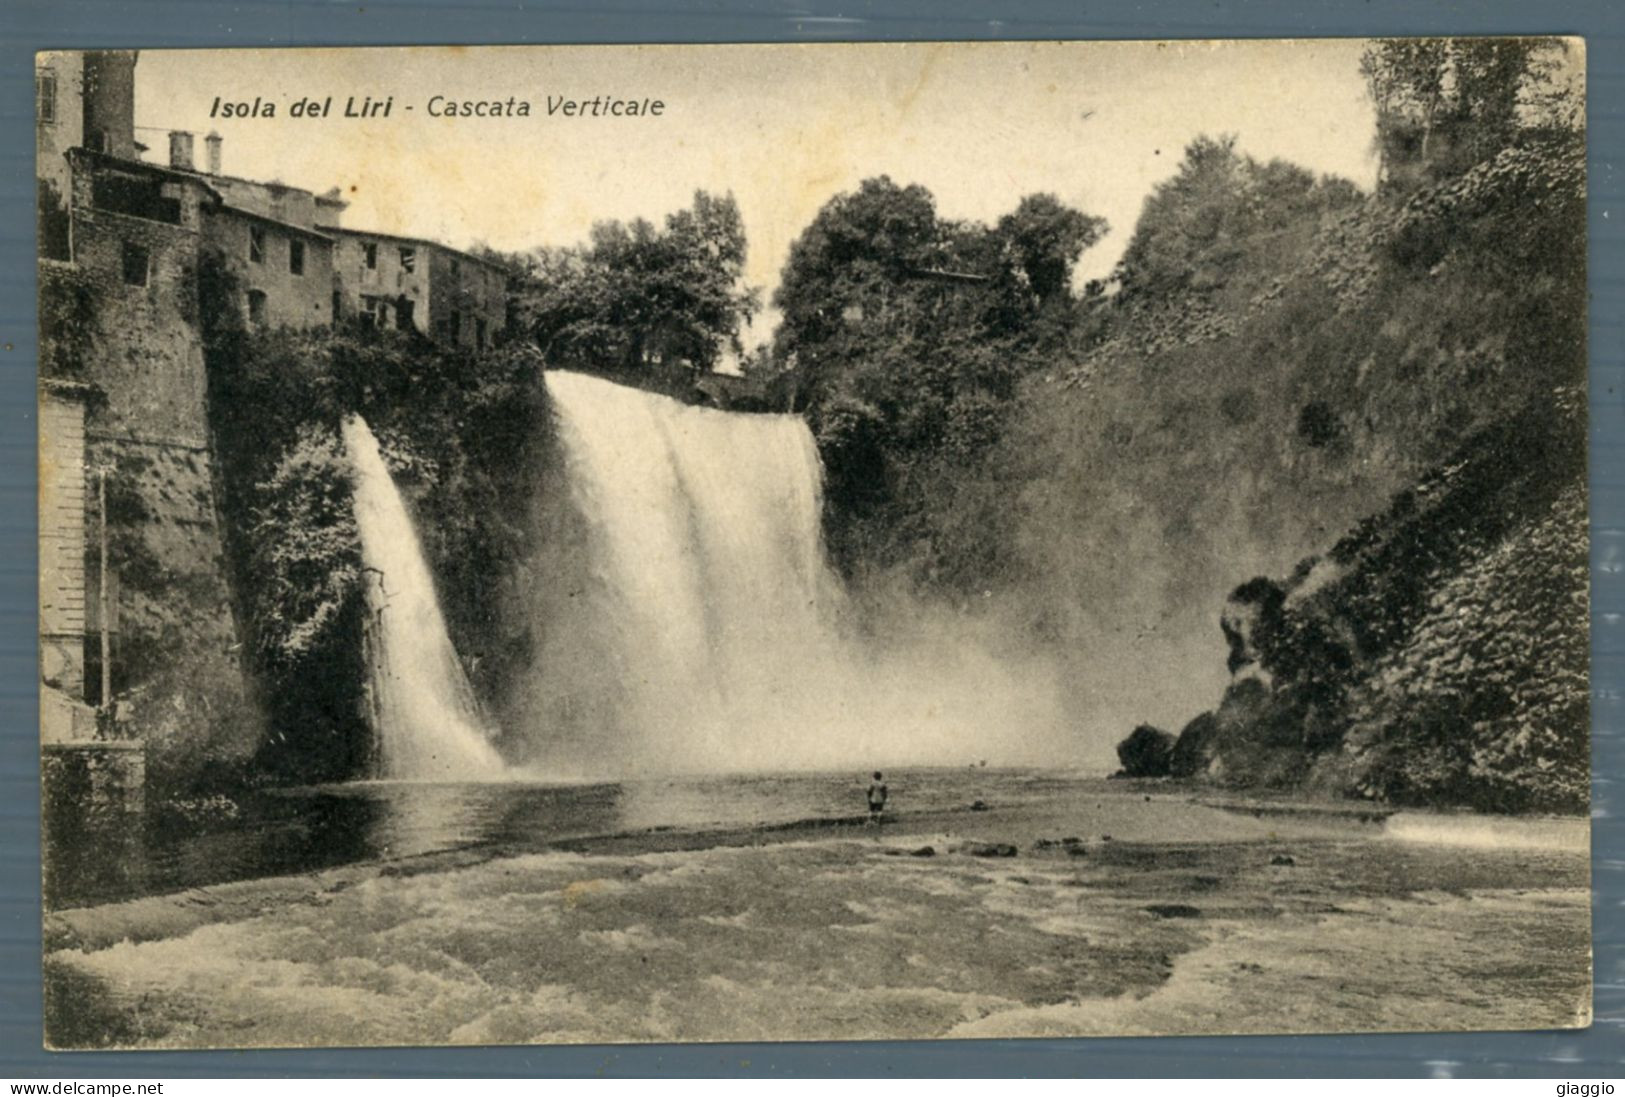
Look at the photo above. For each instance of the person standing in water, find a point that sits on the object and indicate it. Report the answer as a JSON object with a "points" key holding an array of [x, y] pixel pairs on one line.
{"points": [[877, 799]]}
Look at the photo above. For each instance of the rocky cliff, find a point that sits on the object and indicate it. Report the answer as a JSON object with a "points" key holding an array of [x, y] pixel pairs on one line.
{"points": [[1437, 654]]}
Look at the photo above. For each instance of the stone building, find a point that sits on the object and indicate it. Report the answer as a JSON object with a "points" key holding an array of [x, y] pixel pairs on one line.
{"points": [[137, 230], [123, 400], [268, 237], [301, 268], [81, 101], [418, 285], [285, 270]]}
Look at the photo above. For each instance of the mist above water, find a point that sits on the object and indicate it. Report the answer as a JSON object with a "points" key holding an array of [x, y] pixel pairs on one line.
{"points": [[689, 620]]}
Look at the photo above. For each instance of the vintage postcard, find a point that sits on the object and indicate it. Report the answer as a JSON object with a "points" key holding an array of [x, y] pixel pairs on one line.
{"points": [[807, 542]]}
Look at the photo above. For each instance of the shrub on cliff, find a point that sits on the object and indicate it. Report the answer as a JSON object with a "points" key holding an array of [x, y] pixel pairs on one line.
{"points": [[1146, 752]]}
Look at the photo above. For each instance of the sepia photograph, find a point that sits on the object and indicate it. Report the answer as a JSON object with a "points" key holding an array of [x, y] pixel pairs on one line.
{"points": [[860, 541]]}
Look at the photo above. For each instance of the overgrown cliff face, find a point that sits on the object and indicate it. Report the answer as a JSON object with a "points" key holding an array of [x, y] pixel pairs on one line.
{"points": [[1409, 368], [1438, 653], [1281, 382], [1277, 357], [178, 682], [1487, 704]]}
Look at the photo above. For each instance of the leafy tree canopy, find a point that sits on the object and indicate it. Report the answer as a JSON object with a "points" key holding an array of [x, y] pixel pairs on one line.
{"points": [[904, 337], [637, 296], [1193, 227]]}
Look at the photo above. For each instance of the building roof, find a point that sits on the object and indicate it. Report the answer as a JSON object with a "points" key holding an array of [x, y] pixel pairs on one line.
{"points": [[344, 231], [107, 160], [287, 226], [269, 185]]}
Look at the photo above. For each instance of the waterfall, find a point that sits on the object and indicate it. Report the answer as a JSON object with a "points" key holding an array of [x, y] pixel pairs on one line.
{"points": [[689, 619], [426, 720]]}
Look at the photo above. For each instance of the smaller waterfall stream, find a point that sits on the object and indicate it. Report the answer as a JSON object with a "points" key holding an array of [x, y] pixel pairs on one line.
{"points": [[426, 720]]}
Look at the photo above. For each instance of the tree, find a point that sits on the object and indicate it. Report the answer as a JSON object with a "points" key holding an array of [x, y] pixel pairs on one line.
{"points": [[1184, 217], [904, 339], [849, 264], [1444, 105], [1192, 227], [1405, 77], [638, 296], [1043, 239]]}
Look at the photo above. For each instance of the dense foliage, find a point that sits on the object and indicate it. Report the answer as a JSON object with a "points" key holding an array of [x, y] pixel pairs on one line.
{"points": [[1424, 345], [1438, 651], [67, 325], [1446, 104], [1197, 227], [638, 297], [904, 339]]}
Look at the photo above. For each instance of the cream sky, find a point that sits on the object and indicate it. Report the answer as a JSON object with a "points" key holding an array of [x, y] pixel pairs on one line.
{"points": [[783, 127]]}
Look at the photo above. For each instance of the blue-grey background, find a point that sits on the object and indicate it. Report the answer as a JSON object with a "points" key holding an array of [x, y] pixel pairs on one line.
{"points": [[29, 25]]}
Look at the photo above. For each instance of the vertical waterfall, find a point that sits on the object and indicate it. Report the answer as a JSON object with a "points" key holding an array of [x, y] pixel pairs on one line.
{"points": [[699, 618], [688, 619], [425, 716]]}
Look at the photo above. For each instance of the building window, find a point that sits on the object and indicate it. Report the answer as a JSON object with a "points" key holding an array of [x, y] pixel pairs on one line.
{"points": [[45, 95], [479, 333], [409, 259], [296, 257], [256, 244], [456, 268], [370, 254], [455, 326], [256, 307], [403, 314], [136, 264]]}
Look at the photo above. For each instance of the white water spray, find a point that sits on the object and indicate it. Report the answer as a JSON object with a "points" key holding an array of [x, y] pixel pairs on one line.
{"points": [[691, 622], [427, 722]]}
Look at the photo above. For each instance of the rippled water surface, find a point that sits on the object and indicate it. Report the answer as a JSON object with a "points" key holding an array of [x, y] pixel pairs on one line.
{"points": [[304, 829]]}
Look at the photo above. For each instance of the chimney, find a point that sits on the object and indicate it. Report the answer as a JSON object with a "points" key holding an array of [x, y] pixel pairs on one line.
{"points": [[212, 143], [180, 150]]}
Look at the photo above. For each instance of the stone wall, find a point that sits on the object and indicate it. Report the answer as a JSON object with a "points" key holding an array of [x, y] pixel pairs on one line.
{"points": [[302, 299], [468, 299], [92, 799], [395, 284], [62, 536], [177, 671], [148, 359], [177, 674]]}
